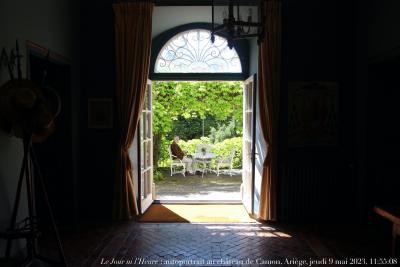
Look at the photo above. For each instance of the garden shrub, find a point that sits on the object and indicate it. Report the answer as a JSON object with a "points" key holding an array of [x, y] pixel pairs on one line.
{"points": [[158, 176], [164, 160], [224, 148], [190, 145]]}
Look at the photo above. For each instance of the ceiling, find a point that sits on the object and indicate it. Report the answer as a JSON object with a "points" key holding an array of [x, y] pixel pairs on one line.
{"points": [[202, 2]]}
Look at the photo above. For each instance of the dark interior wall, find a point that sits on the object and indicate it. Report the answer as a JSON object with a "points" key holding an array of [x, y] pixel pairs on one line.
{"points": [[383, 134], [53, 25], [357, 46], [319, 183], [98, 81], [361, 87], [383, 24], [382, 100], [55, 156]]}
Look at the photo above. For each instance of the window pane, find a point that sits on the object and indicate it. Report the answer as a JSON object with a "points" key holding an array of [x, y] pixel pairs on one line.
{"points": [[143, 155], [148, 121], [250, 96], [148, 98], [193, 52]]}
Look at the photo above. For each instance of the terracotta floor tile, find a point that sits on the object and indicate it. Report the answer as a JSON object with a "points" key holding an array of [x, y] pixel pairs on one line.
{"points": [[184, 242]]}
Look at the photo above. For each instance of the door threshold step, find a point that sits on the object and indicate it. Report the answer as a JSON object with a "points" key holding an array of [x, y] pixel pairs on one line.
{"points": [[194, 202]]}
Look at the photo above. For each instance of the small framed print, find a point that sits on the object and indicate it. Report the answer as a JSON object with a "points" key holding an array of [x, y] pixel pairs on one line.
{"points": [[313, 114], [100, 113]]}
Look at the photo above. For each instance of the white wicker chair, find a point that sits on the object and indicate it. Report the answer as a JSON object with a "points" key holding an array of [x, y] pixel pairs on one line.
{"points": [[225, 162], [177, 166]]}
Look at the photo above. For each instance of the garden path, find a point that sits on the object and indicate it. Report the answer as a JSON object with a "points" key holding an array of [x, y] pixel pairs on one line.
{"points": [[194, 187]]}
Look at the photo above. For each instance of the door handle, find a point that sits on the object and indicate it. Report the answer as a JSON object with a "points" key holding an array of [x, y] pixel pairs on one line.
{"points": [[253, 158]]}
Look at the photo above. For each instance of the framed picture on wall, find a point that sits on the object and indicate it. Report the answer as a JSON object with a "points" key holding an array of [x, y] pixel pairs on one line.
{"points": [[100, 113], [313, 114]]}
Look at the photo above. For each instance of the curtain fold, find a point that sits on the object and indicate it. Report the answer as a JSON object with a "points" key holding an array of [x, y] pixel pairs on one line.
{"points": [[133, 23], [269, 67]]}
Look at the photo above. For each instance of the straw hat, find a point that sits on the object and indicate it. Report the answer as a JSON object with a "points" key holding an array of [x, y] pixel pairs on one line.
{"points": [[27, 108]]}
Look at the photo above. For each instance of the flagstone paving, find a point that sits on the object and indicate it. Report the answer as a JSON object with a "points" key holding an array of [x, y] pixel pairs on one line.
{"points": [[196, 187]]}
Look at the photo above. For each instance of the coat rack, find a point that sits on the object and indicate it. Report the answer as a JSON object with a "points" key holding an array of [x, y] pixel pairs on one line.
{"points": [[30, 173]]}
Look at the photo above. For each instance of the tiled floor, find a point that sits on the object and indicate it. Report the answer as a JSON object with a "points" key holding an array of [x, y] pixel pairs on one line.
{"points": [[89, 245], [181, 244]]}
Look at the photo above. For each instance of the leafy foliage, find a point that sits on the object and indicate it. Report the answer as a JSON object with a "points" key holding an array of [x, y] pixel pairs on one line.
{"points": [[224, 131], [158, 176], [192, 128], [223, 149], [179, 108], [190, 145], [171, 100]]}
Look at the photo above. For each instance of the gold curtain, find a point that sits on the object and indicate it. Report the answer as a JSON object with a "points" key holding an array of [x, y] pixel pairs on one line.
{"points": [[269, 65], [133, 22]]}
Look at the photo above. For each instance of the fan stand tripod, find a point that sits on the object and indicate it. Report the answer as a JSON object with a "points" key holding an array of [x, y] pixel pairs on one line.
{"points": [[29, 228]]}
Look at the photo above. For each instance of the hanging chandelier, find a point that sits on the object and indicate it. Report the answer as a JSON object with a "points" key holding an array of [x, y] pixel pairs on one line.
{"points": [[233, 27]]}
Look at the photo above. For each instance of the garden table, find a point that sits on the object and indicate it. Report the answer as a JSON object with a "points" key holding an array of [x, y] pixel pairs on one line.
{"points": [[203, 159]]}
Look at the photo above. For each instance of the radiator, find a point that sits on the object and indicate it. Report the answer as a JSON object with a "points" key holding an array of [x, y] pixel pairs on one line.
{"points": [[312, 192]]}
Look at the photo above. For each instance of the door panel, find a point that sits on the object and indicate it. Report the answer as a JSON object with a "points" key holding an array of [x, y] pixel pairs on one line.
{"points": [[146, 152], [56, 155], [247, 187]]}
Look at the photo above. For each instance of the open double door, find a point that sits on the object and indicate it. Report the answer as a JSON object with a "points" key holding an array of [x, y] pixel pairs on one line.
{"points": [[145, 145]]}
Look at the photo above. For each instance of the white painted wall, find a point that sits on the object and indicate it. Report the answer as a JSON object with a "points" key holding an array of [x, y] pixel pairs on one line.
{"points": [[50, 24]]}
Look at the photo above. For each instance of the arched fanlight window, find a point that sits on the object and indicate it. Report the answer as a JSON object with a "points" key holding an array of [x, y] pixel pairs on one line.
{"points": [[192, 51]]}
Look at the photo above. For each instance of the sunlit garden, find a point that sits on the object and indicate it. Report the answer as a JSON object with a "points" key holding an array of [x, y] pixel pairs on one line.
{"points": [[199, 113]]}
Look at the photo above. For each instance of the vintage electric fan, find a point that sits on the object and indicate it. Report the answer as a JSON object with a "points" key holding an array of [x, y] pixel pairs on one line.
{"points": [[28, 111]]}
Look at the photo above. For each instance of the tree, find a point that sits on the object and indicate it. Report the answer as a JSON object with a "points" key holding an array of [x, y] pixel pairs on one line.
{"points": [[224, 131], [173, 101]]}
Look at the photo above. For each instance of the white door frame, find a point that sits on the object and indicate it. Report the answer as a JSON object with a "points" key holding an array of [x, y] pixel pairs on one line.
{"points": [[248, 172], [145, 152], [145, 202]]}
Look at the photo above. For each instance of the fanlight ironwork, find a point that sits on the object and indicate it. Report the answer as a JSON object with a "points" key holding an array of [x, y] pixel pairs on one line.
{"points": [[193, 52]]}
